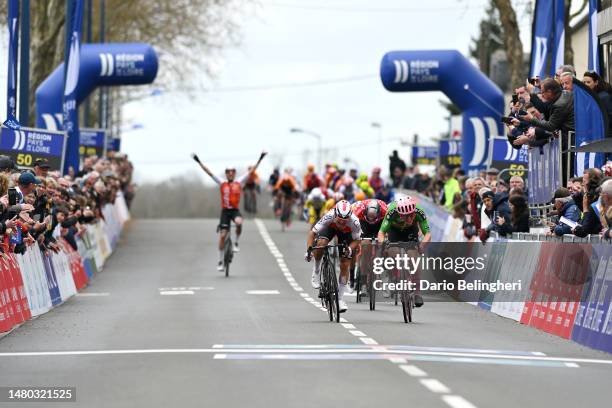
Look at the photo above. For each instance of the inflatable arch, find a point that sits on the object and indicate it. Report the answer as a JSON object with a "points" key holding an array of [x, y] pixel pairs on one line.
{"points": [[481, 101], [104, 64]]}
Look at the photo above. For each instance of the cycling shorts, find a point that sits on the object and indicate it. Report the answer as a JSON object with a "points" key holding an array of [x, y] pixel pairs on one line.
{"points": [[227, 216], [329, 233]]}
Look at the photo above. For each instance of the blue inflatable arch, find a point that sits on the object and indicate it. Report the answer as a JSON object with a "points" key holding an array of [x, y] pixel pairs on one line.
{"points": [[104, 64], [481, 101]]}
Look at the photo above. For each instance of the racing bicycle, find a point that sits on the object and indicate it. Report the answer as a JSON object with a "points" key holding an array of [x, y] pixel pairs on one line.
{"points": [[405, 295], [329, 281]]}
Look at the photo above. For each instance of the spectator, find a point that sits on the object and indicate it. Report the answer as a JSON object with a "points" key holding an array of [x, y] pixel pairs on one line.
{"points": [[376, 182], [41, 167], [561, 108], [452, 192], [491, 175], [606, 208], [519, 215], [471, 223], [516, 183], [603, 90], [394, 163], [567, 81], [409, 179], [565, 207], [590, 222], [497, 210]]}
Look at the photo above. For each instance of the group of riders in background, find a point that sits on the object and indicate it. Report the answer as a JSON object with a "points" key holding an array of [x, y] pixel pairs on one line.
{"points": [[354, 210]]}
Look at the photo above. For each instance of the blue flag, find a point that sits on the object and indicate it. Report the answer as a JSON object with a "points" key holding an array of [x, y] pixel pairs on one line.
{"points": [[541, 34], [593, 39], [11, 89], [591, 124], [559, 36], [70, 107]]}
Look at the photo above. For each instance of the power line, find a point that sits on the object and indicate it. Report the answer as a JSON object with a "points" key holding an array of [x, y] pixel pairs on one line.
{"points": [[287, 85]]}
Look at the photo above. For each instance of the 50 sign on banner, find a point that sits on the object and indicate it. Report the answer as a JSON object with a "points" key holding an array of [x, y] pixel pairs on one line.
{"points": [[26, 145]]}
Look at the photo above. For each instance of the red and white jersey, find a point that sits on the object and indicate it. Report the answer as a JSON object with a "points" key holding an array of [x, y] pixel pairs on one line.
{"points": [[351, 226], [360, 207], [230, 192]]}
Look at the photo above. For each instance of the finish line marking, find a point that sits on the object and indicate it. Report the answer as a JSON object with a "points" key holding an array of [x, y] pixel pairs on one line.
{"points": [[176, 292], [292, 282], [378, 352]]}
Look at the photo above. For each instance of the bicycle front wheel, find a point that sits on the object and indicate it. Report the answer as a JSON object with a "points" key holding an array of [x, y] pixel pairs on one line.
{"points": [[228, 254], [332, 293]]}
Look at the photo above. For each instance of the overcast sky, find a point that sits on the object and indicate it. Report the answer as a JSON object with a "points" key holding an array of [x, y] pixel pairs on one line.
{"points": [[284, 42], [297, 41]]}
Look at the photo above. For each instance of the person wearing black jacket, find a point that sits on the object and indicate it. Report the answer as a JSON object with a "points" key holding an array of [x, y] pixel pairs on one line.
{"points": [[590, 222], [603, 90], [519, 217], [496, 208]]}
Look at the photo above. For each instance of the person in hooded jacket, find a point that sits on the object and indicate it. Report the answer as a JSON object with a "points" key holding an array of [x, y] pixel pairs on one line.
{"points": [[497, 209], [565, 207]]}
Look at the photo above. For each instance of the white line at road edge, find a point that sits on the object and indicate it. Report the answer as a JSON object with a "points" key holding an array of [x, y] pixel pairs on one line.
{"points": [[456, 401], [432, 384], [176, 292]]}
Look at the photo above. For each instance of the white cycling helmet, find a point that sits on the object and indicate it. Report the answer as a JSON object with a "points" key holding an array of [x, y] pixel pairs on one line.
{"points": [[343, 209], [405, 205], [316, 195]]}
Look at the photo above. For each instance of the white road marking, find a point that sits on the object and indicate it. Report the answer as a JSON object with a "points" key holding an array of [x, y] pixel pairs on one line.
{"points": [[413, 371], [572, 365], [217, 346], [357, 333], [457, 401], [434, 385], [92, 294], [348, 326], [368, 340], [397, 360], [262, 292], [538, 353], [304, 295], [176, 292], [220, 356]]}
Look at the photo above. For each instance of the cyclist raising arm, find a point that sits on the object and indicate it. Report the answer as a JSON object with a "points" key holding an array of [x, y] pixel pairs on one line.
{"points": [[230, 202], [343, 224]]}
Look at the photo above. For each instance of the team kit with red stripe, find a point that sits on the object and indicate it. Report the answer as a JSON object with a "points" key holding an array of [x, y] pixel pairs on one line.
{"points": [[364, 219]]}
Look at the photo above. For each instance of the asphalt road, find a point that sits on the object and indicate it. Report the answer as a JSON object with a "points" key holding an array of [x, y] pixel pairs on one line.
{"points": [[159, 326]]}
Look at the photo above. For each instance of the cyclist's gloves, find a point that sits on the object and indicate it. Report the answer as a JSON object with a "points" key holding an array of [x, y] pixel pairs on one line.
{"points": [[308, 255], [348, 252]]}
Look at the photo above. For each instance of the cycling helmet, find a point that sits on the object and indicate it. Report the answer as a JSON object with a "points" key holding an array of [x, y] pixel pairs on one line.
{"points": [[372, 212], [316, 195], [343, 209], [406, 205], [376, 170]]}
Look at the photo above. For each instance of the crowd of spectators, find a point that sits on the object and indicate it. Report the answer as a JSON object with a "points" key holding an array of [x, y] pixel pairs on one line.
{"points": [[38, 206]]}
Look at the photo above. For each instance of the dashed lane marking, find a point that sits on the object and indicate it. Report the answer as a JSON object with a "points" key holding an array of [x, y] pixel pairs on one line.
{"points": [[262, 292], [176, 292], [412, 370]]}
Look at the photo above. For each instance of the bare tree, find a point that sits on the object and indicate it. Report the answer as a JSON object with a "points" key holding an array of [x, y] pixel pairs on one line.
{"points": [[512, 41], [187, 34]]}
